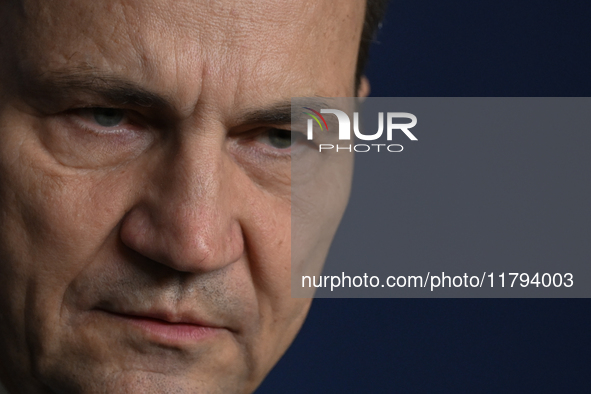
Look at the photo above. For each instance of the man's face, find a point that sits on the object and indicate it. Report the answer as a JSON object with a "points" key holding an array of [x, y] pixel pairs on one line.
{"points": [[145, 190]]}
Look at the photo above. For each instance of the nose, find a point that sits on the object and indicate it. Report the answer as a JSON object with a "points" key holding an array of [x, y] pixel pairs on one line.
{"points": [[188, 214]]}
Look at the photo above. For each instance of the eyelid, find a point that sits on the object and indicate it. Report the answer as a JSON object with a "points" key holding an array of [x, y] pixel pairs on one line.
{"points": [[266, 135], [299, 145], [82, 116], [249, 138]]}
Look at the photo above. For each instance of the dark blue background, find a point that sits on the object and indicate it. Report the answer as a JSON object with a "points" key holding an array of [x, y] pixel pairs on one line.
{"points": [[458, 48]]}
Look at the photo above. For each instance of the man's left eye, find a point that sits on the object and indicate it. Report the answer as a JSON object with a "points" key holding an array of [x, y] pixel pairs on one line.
{"points": [[280, 139]]}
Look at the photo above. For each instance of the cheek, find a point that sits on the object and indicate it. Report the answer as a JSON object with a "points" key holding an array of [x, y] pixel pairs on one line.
{"points": [[75, 147], [62, 216], [268, 243], [54, 219], [53, 222], [267, 234], [319, 200]]}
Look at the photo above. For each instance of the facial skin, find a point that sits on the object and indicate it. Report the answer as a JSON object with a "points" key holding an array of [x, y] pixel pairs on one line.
{"points": [[172, 203]]}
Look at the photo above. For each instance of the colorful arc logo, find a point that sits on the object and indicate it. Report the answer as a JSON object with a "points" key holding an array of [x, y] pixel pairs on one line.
{"points": [[315, 116]]}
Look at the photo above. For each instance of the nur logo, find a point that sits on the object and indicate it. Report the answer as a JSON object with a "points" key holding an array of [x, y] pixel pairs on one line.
{"points": [[315, 117], [345, 128]]}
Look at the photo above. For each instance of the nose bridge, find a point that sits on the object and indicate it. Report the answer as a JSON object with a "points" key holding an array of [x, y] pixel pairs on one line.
{"points": [[199, 216]]}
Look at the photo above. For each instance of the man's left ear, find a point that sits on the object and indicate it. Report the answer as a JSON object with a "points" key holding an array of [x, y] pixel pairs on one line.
{"points": [[364, 87]]}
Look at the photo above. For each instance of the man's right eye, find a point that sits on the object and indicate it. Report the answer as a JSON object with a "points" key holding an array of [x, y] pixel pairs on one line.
{"points": [[104, 120], [107, 117], [93, 137]]}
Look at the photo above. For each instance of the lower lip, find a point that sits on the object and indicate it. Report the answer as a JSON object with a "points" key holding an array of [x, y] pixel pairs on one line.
{"points": [[173, 333]]}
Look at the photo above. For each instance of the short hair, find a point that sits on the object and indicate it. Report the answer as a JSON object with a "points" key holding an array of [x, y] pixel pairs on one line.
{"points": [[374, 13]]}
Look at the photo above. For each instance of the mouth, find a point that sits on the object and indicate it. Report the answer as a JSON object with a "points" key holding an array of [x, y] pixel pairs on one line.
{"points": [[166, 328]]}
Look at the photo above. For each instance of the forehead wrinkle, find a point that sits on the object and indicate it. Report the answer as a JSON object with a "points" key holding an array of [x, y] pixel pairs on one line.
{"points": [[268, 64], [218, 46], [114, 87], [117, 57], [77, 37], [315, 34]]}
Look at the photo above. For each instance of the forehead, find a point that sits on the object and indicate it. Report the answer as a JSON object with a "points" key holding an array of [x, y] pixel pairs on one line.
{"points": [[189, 48]]}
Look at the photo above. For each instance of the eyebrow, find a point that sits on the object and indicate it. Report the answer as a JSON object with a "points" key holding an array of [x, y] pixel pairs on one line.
{"points": [[281, 113], [52, 87]]}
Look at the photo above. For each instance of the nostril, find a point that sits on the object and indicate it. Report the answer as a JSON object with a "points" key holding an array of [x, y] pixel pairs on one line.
{"points": [[182, 239]]}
